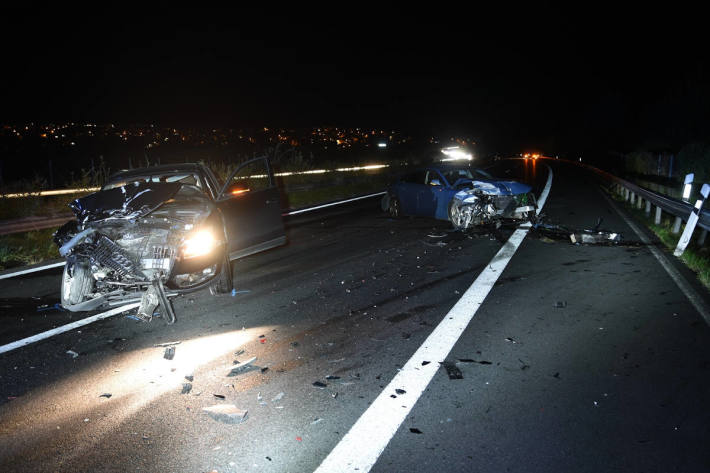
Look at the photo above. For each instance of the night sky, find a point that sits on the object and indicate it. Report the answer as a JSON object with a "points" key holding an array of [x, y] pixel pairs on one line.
{"points": [[555, 77]]}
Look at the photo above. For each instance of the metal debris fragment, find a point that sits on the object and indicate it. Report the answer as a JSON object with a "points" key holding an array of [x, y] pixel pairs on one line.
{"points": [[72, 353], [186, 388], [319, 384], [189, 377], [415, 430], [169, 353], [167, 344], [106, 395], [278, 397], [560, 304], [218, 396]]}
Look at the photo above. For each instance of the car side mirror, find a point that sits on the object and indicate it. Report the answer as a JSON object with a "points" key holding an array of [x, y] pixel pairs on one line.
{"points": [[435, 182]]}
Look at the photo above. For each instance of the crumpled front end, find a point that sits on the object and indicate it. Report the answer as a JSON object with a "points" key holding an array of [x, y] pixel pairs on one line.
{"points": [[489, 201], [117, 253]]}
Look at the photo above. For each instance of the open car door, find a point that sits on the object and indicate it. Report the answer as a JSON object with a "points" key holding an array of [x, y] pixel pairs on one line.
{"points": [[250, 204]]}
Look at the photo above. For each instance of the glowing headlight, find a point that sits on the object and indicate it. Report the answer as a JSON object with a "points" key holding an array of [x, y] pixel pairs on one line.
{"points": [[198, 244]]}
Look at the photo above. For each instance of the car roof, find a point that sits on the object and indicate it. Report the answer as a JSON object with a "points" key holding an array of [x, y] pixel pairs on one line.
{"points": [[160, 169]]}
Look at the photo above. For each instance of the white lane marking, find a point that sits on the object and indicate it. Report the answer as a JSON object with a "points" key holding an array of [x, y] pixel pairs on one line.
{"points": [[698, 302], [360, 448], [295, 212], [32, 270], [65, 328], [310, 209]]}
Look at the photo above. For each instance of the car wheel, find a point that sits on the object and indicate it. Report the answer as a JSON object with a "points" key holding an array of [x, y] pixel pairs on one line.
{"points": [[77, 283], [395, 208], [223, 283]]}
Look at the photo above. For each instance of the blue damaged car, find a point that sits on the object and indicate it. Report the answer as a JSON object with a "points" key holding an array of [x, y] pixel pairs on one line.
{"points": [[463, 195]]}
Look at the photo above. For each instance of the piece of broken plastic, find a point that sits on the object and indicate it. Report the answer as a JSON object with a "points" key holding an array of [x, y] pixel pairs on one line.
{"points": [[227, 413]]}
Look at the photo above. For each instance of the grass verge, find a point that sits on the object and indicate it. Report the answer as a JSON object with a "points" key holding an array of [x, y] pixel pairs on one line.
{"points": [[695, 256], [20, 249]]}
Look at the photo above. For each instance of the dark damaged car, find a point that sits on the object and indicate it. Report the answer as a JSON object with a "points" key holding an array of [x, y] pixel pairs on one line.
{"points": [[157, 232], [461, 194]]}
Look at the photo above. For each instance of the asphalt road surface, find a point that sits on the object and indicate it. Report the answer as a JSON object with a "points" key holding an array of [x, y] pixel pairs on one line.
{"points": [[581, 358]]}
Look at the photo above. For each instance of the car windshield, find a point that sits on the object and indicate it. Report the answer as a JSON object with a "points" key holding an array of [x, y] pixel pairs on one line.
{"points": [[183, 178], [453, 175]]}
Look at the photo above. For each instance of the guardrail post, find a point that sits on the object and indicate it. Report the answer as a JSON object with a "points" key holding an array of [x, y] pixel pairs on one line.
{"points": [[676, 225], [703, 235], [687, 188], [627, 194], [632, 199], [657, 220], [648, 208], [692, 221], [640, 202]]}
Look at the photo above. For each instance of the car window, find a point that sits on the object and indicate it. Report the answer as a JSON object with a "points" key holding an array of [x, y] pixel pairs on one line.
{"points": [[453, 175], [253, 177], [183, 178], [431, 176], [417, 177]]}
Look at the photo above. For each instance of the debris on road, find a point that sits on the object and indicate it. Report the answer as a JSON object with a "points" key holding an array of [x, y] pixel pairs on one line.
{"points": [[243, 367], [167, 344], [227, 413], [189, 377], [400, 391], [106, 395], [329, 377], [424, 363], [72, 353], [169, 353], [218, 396], [243, 291], [319, 384], [471, 360], [452, 370], [239, 352], [510, 339], [186, 388], [560, 304], [278, 397], [316, 421], [415, 430], [523, 365]]}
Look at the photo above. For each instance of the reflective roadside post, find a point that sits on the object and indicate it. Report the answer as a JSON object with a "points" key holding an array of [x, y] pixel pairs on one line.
{"points": [[687, 188], [692, 221]]}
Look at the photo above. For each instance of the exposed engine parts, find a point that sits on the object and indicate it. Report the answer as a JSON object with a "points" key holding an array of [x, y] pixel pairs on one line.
{"points": [[473, 207]]}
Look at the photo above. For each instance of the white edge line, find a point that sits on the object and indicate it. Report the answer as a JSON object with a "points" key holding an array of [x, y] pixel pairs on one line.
{"points": [[360, 448], [295, 212], [32, 270], [695, 299], [310, 209], [65, 328]]}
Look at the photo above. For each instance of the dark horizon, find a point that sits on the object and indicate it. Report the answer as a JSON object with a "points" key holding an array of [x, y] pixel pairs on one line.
{"points": [[546, 77]]}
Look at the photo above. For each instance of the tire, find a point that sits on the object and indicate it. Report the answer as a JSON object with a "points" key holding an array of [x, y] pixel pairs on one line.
{"points": [[77, 283], [395, 208], [223, 283]]}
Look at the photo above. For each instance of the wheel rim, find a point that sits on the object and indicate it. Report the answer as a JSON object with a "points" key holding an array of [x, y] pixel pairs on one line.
{"points": [[394, 208]]}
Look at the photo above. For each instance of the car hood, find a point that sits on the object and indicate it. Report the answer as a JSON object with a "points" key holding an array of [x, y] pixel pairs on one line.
{"points": [[140, 199], [496, 187]]}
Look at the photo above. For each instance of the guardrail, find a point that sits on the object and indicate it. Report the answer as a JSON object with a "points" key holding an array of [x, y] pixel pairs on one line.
{"points": [[682, 210]]}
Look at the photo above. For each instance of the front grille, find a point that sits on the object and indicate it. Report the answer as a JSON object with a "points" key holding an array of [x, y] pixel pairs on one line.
{"points": [[107, 253]]}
